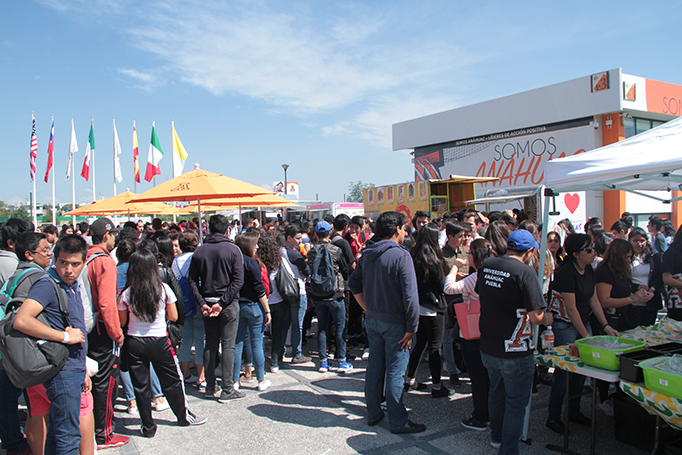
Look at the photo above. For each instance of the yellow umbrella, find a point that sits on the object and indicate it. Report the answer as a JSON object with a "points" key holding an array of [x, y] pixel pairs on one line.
{"points": [[267, 200], [124, 203], [198, 185]]}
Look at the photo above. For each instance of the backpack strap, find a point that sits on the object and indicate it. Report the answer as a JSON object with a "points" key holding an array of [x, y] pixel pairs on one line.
{"points": [[63, 301], [23, 276]]}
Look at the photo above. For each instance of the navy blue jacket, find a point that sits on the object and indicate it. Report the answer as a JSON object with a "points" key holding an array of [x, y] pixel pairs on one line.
{"points": [[217, 270]]}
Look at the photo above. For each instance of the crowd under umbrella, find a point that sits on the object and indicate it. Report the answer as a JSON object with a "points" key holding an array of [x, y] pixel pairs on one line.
{"points": [[199, 185], [266, 200]]}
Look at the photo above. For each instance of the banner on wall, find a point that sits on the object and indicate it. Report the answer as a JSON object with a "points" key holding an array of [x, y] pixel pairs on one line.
{"points": [[516, 157]]}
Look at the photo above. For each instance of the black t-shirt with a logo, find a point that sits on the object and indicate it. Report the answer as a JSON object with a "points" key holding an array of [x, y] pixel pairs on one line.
{"points": [[567, 279], [508, 290], [672, 263]]}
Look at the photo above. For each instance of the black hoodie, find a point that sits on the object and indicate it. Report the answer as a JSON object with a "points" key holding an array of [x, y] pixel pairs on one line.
{"points": [[217, 270]]}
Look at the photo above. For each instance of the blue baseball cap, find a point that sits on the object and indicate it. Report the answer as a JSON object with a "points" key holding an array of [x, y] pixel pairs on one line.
{"points": [[521, 240], [323, 226]]}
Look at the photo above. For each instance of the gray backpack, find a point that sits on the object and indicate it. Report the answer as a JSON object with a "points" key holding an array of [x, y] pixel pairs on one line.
{"points": [[29, 361]]}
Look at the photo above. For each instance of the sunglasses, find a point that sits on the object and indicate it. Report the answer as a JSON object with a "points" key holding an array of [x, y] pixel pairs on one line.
{"points": [[588, 249]]}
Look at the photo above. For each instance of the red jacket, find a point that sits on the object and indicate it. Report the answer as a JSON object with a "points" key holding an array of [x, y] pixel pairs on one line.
{"points": [[102, 276]]}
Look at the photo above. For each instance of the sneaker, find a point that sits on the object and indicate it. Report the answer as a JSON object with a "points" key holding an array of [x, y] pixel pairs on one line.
{"points": [[324, 366], [556, 426], [365, 355], [344, 367], [191, 379], [193, 420], [474, 424], [263, 386], [225, 397], [495, 445], [274, 369], [372, 423], [202, 387], [160, 406], [413, 386], [148, 433], [607, 407], [236, 385], [410, 427], [581, 419], [116, 440], [455, 381], [302, 359], [132, 409], [443, 392]]}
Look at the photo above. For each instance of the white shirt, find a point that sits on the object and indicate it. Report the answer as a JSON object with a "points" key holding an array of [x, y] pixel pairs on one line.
{"points": [[640, 271], [140, 328]]}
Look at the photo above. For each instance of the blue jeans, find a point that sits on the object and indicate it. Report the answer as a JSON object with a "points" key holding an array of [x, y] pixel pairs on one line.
{"points": [[297, 315], [387, 361], [193, 333], [510, 384], [565, 333], [336, 309], [128, 385], [449, 336], [250, 319], [63, 428], [281, 319], [10, 430]]}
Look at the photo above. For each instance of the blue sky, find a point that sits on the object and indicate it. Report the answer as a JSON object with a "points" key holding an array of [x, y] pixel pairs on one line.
{"points": [[315, 84]]}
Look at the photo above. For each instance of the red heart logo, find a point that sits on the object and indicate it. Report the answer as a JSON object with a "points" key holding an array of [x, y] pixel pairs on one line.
{"points": [[572, 201]]}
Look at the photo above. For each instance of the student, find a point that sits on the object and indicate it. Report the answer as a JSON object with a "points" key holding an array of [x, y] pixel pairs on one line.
{"points": [[145, 305]]}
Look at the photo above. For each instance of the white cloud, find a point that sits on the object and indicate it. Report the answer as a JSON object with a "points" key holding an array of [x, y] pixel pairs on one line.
{"points": [[143, 80]]}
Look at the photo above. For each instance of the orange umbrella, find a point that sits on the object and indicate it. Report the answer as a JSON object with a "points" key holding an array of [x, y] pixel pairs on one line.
{"points": [[266, 200], [125, 203], [198, 185], [86, 210]]}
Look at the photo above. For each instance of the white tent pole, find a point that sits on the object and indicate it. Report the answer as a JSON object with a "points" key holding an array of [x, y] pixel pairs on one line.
{"points": [[541, 268], [201, 238]]}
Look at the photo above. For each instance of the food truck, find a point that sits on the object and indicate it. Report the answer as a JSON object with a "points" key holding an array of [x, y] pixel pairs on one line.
{"points": [[433, 196]]}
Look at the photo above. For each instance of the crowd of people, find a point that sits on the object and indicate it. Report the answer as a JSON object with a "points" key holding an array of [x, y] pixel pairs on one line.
{"points": [[145, 296]]}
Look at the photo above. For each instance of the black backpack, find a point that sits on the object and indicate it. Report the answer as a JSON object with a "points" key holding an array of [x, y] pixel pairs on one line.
{"points": [[323, 279], [287, 284], [29, 361]]}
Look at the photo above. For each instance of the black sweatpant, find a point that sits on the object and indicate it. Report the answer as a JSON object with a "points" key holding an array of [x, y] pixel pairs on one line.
{"points": [[430, 332], [105, 351], [157, 350], [221, 330]]}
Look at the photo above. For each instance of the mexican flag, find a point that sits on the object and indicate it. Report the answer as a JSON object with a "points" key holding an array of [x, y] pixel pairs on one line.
{"points": [[153, 157], [89, 151]]}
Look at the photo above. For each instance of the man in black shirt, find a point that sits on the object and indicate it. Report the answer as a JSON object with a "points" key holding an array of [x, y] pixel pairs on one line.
{"points": [[301, 272], [511, 299]]}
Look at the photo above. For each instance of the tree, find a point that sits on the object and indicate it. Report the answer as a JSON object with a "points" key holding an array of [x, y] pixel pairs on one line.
{"points": [[355, 193], [21, 212]]}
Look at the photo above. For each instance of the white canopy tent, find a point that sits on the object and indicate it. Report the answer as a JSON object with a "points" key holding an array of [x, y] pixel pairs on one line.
{"points": [[649, 161]]}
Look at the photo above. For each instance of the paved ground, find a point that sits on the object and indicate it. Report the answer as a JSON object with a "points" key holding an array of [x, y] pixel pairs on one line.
{"points": [[306, 412]]}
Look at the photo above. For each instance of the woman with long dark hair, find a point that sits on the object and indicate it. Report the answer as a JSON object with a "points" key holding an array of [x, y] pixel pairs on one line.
{"points": [[554, 247], [672, 276], [254, 312], [646, 274], [144, 306], [430, 269], [268, 253], [573, 298], [479, 251]]}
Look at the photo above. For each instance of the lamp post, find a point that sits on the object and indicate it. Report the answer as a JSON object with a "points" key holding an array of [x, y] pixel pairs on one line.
{"points": [[285, 167]]}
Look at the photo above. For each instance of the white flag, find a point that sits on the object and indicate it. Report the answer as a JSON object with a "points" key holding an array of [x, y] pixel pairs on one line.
{"points": [[73, 148], [118, 175]]}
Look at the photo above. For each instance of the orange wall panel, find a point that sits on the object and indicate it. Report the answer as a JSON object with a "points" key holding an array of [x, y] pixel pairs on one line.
{"points": [[614, 201]]}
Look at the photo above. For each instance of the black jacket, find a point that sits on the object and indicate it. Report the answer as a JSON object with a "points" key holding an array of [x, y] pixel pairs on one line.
{"points": [[168, 277], [217, 270]]}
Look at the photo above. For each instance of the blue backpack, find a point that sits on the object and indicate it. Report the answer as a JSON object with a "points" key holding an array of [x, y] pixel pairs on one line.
{"points": [[323, 280]]}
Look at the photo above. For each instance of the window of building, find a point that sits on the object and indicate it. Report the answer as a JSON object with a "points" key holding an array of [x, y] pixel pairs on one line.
{"points": [[635, 126]]}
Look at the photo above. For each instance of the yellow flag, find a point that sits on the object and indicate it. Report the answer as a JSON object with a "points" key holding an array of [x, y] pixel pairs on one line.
{"points": [[179, 154]]}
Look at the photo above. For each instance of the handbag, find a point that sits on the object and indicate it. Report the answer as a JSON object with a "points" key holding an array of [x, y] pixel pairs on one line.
{"points": [[287, 284], [29, 361], [174, 334], [468, 316]]}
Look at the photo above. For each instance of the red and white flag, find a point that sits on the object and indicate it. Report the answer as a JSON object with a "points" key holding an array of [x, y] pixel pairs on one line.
{"points": [[34, 150], [50, 153]]}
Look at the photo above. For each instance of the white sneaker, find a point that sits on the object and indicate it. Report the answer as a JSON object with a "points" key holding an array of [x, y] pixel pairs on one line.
{"points": [[607, 407], [495, 445], [274, 369], [263, 386], [365, 355], [236, 385], [161, 406], [132, 410]]}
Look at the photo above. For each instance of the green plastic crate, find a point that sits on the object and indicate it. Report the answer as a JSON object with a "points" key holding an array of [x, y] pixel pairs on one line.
{"points": [[605, 358], [661, 381]]}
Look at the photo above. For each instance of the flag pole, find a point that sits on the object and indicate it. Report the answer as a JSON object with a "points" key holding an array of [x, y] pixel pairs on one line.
{"points": [[33, 177], [73, 189], [134, 158], [92, 162], [54, 208], [114, 139]]}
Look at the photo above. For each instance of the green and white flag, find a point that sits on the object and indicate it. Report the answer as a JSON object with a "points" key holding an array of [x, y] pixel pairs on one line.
{"points": [[154, 156]]}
